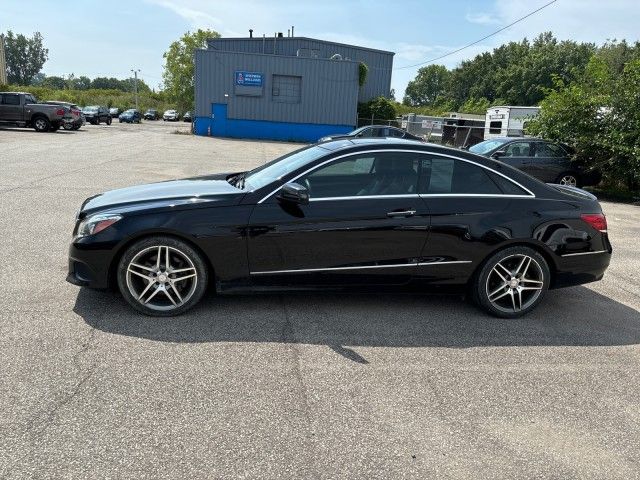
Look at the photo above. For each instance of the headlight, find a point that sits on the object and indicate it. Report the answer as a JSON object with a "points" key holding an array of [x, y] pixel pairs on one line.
{"points": [[96, 223]]}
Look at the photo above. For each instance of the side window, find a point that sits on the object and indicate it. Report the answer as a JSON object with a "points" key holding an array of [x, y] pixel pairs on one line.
{"points": [[394, 132], [366, 133], [495, 127], [367, 174], [549, 150], [507, 186], [518, 149], [451, 176]]}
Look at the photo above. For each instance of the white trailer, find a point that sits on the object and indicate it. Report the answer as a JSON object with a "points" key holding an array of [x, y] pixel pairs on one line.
{"points": [[507, 121]]}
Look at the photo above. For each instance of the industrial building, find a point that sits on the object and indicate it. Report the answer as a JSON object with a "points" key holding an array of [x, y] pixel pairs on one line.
{"points": [[284, 88]]}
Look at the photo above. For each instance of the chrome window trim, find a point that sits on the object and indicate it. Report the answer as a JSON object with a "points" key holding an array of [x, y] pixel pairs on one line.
{"points": [[364, 197], [583, 253], [531, 194], [362, 267]]}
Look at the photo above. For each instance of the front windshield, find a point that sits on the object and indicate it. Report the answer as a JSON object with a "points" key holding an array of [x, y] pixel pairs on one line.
{"points": [[90, 109], [280, 167], [486, 146]]}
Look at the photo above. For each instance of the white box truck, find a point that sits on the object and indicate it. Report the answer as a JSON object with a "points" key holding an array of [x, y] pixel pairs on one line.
{"points": [[507, 121]]}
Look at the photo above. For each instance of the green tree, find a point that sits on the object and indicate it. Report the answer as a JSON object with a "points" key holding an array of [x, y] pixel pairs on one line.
{"points": [[429, 86], [79, 83], [107, 83], [178, 74], [380, 108], [24, 56], [476, 106], [54, 82]]}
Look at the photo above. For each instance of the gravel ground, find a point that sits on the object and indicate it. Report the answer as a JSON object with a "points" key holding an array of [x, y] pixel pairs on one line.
{"points": [[290, 386]]}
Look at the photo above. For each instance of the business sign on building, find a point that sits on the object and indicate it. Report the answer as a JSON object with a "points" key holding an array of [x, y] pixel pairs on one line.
{"points": [[248, 79]]}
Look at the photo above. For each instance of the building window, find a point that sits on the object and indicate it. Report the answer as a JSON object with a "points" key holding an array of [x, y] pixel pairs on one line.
{"points": [[495, 127], [286, 88]]}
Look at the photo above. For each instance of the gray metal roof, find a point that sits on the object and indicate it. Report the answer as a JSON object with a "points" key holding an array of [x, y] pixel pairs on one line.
{"points": [[281, 39]]}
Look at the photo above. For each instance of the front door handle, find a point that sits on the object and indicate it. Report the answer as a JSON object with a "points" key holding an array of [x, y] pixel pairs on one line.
{"points": [[401, 213]]}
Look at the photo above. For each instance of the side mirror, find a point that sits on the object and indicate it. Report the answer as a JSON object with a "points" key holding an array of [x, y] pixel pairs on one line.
{"points": [[294, 193], [498, 154]]}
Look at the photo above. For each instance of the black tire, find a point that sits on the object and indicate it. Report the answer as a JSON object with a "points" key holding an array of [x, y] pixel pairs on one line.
{"points": [[569, 178], [75, 127], [41, 124], [108, 120], [177, 247], [492, 280]]}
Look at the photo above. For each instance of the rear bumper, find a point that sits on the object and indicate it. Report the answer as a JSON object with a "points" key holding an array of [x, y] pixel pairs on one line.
{"points": [[581, 268]]}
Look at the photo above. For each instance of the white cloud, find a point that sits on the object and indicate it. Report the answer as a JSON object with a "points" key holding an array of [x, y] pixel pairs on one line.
{"points": [[482, 18], [196, 17]]}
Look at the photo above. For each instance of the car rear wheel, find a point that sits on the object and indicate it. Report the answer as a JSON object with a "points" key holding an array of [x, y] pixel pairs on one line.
{"points": [[512, 282], [568, 178], [41, 124], [162, 276], [108, 120]]}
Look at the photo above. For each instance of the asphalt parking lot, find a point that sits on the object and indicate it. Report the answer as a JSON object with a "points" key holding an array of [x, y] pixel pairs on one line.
{"points": [[290, 386]]}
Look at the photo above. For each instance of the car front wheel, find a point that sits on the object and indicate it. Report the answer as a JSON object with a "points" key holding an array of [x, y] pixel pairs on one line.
{"points": [[162, 276], [511, 282]]}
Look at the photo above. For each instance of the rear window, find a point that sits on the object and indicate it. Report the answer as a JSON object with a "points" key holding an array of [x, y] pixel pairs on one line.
{"points": [[10, 99]]}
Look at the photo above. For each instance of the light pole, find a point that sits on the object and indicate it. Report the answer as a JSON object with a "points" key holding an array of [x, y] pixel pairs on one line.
{"points": [[135, 84]]}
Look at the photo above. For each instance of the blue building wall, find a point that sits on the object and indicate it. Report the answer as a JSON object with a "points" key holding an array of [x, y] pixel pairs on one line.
{"points": [[266, 130], [296, 98]]}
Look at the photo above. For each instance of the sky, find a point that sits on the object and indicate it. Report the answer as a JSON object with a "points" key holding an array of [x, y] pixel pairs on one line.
{"points": [[109, 38]]}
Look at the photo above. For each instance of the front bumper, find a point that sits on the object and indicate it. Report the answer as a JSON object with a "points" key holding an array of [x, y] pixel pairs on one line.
{"points": [[89, 267]]}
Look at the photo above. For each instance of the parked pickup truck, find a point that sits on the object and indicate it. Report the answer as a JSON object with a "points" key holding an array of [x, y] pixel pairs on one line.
{"points": [[23, 110]]}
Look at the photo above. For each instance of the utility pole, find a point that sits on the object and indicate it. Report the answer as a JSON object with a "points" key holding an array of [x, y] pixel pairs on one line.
{"points": [[135, 74], [3, 63]]}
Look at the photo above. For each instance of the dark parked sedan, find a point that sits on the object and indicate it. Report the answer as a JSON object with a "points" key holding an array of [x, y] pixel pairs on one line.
{"points": [[373, 131], [362, 214], [547, 161]]}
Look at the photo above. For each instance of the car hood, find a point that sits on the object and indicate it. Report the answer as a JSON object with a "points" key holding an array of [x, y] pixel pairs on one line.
{"points": [[188, 191]]}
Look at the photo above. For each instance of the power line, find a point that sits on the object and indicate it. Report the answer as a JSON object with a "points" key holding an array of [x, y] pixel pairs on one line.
{"points": [[480, 40]]}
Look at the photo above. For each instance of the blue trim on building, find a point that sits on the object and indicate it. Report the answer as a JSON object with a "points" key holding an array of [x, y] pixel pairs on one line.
{"points": [[265, 130]]}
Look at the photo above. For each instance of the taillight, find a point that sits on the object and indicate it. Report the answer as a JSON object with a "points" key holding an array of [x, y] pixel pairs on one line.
{"points": [[60, 111], [596, 220]]}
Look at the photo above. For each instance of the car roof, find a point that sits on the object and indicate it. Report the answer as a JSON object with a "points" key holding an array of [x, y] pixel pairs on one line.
{"points": [[344, 143]]}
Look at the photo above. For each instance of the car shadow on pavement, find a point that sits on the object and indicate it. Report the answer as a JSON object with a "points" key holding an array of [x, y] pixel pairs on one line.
{"points": [[570, 317]]}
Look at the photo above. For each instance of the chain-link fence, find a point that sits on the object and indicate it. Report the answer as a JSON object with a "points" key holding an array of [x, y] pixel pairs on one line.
{"points": [[456, 132]]}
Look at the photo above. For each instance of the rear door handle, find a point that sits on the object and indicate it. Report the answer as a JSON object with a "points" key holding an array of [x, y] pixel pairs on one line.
{"points": [[402, 213]]}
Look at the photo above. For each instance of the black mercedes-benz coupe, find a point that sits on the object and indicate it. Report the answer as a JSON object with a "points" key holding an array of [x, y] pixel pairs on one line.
{"points": [[346, 214]]}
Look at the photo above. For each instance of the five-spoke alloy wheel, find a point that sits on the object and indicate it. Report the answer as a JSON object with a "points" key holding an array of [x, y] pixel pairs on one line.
{"points": [[569, 179], [512, 282], [162, 276]]}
